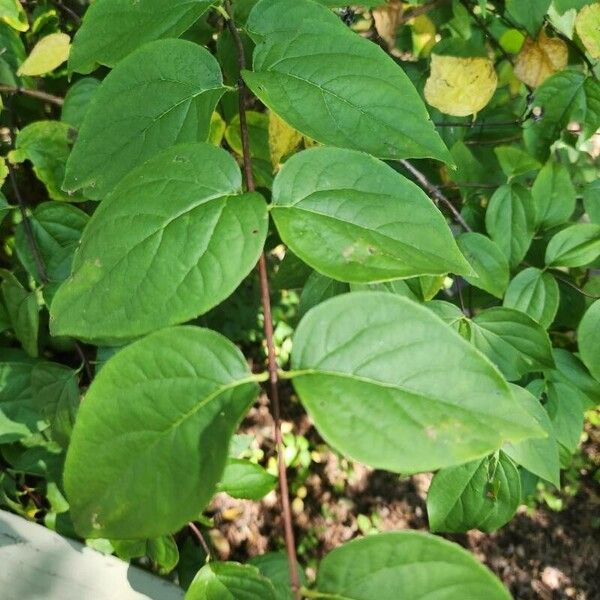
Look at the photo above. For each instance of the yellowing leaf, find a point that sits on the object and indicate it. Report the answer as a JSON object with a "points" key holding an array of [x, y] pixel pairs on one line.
{"points": [[12, 13], [50, 52], [387, 19], [282, 139], [460, 86], [423, 35], [587, 26], [3, 171], [540, 59], [217, 129]]}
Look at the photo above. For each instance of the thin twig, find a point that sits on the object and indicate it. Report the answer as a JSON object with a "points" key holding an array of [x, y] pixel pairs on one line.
{"points": [[268, 327], [575, 287], [68, 11], [9, 89], [86, 363], [482, 24], [198, 534], [434, 192]]}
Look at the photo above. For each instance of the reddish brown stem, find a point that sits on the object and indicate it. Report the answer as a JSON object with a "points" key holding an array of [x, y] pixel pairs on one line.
{"points": [[284, 493], [198, 534]]}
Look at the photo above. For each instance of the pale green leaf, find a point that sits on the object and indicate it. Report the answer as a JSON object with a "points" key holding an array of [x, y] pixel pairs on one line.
{"points": [[355, 219], [162, 94], [406, 564], [515, 161], [145, 263], [49, 53], [151, 438], [535, 293], [13, 14], [245, 479], [373, 361], [112, 29], [565, 407]]}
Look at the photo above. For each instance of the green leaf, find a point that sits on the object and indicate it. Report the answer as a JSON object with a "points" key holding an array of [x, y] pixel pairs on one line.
{"points": [[588, 335], [565, 407], [513, 341], [388, 566], [12, 56], [112, 29], [591, 201], [540, 456], [12, 13], [315, 78], [564, 97], [528, 14], [574, 246], [55, 390], [535, 293], [151, 438], [23, 311], [275, 567], [377, 362], [77, 101], [482, 494], [318, 288], [19, 414], [47, 145], [5, 207], [487, 260], [230, 581], [509, 221], [554, 197], [244, 479], [162, 94], [353, 218], [57, 229], [452, 315], [163, 552], [570, 370], [157, 263], [515, 162]]}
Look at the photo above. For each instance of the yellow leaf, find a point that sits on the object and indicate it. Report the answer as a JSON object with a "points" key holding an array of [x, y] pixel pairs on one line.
{"points": [[460, 86], [50, 52], [283, 139], [387, 19], [587, 26], [3, 170], [423, 35], [217, 129], [540, 59], [12, 13]]}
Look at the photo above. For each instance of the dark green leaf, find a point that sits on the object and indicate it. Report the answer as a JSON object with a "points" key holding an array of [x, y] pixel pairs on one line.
{"points": [[406, 564], [319, 288], [513, 341], [570, 370], [588, 335], [230, 581], [539, 456], [112, 29], [509, 221], [275, 567], [483, 494], [315, 78], [23, 311], [77, 101], [373, 361], [528, 14], [151, 438], [353, 218], [487, 260], [553, 196], [574, 246], [591, 200], [145, 263], [535, 293], [162, 94]]}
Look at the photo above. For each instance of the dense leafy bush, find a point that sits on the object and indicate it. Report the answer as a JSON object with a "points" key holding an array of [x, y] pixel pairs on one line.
{"points": [[422, 171]]}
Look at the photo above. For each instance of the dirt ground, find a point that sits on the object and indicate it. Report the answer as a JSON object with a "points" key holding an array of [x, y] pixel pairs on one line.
{"points": [[541, 554]]}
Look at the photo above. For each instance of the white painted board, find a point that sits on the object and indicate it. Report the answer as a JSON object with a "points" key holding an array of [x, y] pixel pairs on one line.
{"points": [[38, 564]]}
